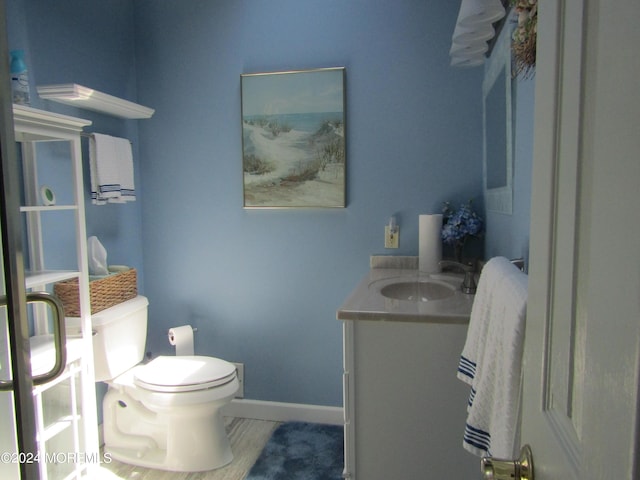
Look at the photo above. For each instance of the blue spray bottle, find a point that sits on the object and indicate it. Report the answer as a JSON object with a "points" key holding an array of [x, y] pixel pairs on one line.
{"points": [[19, 78]]}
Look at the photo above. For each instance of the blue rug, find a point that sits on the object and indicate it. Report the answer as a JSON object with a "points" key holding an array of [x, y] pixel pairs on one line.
{"points": [[301, 451]]}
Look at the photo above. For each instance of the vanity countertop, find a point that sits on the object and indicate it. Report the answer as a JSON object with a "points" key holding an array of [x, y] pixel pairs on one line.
{"points": [[366, 302]]}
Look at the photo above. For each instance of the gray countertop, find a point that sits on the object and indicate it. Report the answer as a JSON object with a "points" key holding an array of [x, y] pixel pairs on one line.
{"points": [[366, 302]]}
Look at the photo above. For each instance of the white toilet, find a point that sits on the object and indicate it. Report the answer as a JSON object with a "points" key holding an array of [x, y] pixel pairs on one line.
{"points": [[165, 414]]}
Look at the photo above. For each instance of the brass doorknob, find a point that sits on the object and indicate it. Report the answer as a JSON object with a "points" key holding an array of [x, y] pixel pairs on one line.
{"points": [[497, 469]]}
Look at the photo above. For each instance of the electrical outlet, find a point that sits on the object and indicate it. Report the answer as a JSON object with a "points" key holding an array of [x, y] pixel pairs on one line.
{"points": [[391, 240], [240, 369]]}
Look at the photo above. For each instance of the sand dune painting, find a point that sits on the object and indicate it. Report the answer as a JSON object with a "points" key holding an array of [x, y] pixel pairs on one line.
{"points": [[293, 139]]}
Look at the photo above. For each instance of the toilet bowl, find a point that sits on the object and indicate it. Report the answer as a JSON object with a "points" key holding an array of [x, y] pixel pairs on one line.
{"points": [[164, 414]]}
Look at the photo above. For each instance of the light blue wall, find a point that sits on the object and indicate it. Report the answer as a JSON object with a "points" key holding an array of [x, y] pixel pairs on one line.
{"points": [[262, 287], [508, 235]]}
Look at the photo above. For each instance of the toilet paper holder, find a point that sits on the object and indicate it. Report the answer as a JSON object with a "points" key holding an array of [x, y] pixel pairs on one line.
{"points": [[182, 338], [195, 329]]}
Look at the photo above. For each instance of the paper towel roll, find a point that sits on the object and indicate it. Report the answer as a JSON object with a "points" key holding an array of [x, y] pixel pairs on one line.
{"points": [[182, 339], [429, 243]]}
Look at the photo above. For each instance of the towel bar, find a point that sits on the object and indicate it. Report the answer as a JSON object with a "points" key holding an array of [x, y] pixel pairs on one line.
{"points": [[519, 262]]}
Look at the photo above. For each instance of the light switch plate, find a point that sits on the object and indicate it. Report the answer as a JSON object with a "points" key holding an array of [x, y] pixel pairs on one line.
{"points": [[391, 240]]}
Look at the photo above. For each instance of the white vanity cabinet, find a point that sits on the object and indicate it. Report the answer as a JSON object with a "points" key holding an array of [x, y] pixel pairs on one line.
{"points": [[405, 409], [55, 250]]}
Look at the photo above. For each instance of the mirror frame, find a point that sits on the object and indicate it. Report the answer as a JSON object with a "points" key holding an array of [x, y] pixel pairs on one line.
{"points": [[499, 199]]}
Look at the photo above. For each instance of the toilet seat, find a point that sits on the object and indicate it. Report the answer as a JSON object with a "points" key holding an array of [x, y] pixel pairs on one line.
{"points": [[184, 374]]}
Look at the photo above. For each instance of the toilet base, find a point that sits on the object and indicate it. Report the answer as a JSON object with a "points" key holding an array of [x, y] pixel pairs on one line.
{"points": [[159, 460], [190, 438], [183, 453]]}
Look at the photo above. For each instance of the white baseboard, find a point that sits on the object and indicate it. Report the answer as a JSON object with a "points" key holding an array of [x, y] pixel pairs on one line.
{"points": [[283, 412]]}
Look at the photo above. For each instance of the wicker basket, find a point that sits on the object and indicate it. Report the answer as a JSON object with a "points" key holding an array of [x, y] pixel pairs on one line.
{"points": [[104, 292]]}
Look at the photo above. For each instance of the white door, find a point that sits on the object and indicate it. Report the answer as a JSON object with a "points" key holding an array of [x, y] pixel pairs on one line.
{"points": [[580, 395]]}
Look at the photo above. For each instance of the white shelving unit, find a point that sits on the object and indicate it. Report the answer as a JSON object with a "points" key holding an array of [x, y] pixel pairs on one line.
{"points": [[66, 406]]}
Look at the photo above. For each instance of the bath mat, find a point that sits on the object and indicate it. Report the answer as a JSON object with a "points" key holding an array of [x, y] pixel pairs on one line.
{"points": [[301, 451]]}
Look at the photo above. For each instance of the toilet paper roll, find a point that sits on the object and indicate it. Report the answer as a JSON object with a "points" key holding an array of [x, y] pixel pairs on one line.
{"points": [[430, 243], [182, 339]]}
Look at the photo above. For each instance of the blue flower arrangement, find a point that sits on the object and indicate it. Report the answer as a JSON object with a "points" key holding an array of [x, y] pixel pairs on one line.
{"points": [[459, 225]]}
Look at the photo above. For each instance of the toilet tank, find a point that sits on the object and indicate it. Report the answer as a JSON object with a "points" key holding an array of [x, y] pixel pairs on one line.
{"points": [[119, 338]]}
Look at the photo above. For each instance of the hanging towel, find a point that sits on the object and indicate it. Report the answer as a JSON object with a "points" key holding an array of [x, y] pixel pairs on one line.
{"points": [[111, 164], [494, 401], [494, 270]]}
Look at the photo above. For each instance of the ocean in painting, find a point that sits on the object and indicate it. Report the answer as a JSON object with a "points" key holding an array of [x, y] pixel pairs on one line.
{"points": [[294, 160]]}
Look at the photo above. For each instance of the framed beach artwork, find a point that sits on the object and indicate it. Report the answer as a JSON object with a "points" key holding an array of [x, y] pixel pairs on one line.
{"points": [[293, 139]]}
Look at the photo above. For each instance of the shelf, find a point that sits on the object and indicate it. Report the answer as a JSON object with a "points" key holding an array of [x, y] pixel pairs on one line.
{"points": [[44, 277], [43, 357], [89, 99], [59, 426], [49, 208], [34, 125]]}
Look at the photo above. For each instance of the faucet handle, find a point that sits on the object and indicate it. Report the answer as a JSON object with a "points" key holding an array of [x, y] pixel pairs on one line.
{"points": [[458, 265], [469, 282]]}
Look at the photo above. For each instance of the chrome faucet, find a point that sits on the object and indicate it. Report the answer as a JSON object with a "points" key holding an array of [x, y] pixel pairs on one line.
{"points": [[469, 282]]}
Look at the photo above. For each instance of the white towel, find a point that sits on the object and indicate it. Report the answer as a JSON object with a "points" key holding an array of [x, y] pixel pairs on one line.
{"points": [[111, 165], [495, 269], [492, 421]]}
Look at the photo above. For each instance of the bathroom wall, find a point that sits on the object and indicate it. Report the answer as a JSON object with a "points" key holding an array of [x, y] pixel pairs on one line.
{"points": [[91, 44], [508, 235], [262, 287]]}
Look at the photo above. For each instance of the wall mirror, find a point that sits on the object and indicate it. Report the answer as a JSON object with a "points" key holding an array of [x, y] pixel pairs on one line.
{"points": [[498, 127]]}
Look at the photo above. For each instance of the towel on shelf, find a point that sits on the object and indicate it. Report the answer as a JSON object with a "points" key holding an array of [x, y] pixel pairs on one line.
{"points": [[111, 165], [494, 401]]}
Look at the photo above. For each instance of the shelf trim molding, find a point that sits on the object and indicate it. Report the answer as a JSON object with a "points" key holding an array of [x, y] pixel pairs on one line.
{"points": [[32, 124], [45, 208], [90, 99]]}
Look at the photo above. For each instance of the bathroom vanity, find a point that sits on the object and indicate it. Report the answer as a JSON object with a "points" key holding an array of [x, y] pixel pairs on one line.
{"points": [[404, 407]]}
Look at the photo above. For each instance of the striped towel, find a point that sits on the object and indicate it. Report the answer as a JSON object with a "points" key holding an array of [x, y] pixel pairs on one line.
{"points": [[493, 271], [491, 363], [111, 163]]}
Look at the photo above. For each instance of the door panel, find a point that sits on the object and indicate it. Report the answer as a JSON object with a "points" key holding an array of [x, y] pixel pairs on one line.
{"points": [[580, 395], [19, 431], [8, 440]]}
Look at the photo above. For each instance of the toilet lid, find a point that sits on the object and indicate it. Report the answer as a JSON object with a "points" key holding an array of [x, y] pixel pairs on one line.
{"points": [[184, 373]]}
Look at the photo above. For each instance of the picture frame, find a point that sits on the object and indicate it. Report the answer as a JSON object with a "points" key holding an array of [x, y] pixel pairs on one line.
{"points": [[294, 139]]}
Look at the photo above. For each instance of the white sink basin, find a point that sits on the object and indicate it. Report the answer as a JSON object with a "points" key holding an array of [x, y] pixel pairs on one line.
{"points": [[418, 291]]}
